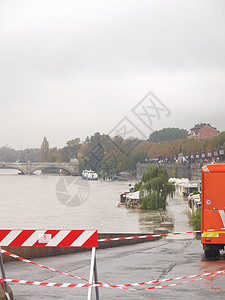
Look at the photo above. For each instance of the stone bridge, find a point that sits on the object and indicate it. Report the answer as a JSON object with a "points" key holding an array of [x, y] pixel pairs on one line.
{"points": [[28, 168]]}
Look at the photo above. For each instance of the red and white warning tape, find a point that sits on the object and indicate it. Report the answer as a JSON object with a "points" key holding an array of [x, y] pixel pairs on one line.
{"points": [[79, 285], [7, 294], [170, 279], [51, 284], [106, 285], [40, 265], [156, 235], [143, 236], [169, 285]]}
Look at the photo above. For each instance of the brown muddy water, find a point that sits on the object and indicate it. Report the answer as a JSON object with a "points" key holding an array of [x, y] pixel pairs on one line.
{"points": [[51, 201]]}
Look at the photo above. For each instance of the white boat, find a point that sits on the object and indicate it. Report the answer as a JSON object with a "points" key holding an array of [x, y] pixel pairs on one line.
{"points": [[89, 175]]}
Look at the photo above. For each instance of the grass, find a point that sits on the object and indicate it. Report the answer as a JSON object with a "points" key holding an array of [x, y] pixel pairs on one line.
{"points": [[195, 220]]}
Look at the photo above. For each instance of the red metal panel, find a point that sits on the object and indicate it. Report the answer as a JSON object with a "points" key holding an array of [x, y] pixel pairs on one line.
{"points": [[213, 201], [48, 238]]}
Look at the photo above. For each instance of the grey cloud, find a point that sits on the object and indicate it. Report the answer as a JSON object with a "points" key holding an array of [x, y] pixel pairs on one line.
{"points": [[73, 57]]}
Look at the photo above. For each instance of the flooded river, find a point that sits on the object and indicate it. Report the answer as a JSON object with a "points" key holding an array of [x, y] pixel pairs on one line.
{"points": [[51, 201]]}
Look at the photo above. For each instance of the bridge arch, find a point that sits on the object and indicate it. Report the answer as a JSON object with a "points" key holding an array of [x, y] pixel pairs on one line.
{"points": [[14, 167]]}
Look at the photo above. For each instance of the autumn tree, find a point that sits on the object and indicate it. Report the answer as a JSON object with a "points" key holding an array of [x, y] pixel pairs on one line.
{"points": [[136, 157], [114, 163], [54, 155], [44, 150]]}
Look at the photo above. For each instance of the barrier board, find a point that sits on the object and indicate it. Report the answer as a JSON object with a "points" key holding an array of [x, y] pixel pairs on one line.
{"points": [[52, 238]]}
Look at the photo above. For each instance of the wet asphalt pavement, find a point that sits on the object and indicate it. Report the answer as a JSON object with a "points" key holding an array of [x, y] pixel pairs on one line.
{"points": [[165, 258]]}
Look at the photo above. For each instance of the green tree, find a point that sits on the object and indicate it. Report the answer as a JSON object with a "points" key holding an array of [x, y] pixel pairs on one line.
{"points": [[155, 188], [96, 152], [136, 157], [73, 142], [168, 134], [114, 163]]}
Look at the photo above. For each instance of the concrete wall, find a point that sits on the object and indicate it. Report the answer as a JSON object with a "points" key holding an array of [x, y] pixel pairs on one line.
{"points": [[186, 170], [34, 252]]}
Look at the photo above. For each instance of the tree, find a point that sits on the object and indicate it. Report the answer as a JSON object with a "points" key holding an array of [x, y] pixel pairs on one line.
{"points": [[114, 163], [73, 142], [44, 150], [54, 155], [7, 154], [96, 152], [136, 157], [168, 134], [156, 189]]}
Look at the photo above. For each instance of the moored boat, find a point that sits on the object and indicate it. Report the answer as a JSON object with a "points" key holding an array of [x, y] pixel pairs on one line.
{"points": [[89, 175]]}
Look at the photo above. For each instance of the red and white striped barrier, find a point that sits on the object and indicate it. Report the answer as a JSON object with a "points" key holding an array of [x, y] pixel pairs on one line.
{"points": [[80, 238], [48, 238], [53, 238], [67, 238]]}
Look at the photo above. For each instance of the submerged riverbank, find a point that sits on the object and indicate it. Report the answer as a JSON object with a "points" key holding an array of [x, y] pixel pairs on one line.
{"points": [[33, 202]]}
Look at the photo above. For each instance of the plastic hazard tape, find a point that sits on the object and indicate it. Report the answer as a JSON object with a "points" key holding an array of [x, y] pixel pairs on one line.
{"points": [[50, 284], [79, 285], [48, 238], [119, 286], [157, 235], [40, 265], [171, 285], [7, 294], [204, 275], [143, 236]]}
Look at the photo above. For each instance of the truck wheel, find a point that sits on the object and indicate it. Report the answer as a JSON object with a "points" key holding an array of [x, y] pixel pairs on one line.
{"points": [[212, 253]]}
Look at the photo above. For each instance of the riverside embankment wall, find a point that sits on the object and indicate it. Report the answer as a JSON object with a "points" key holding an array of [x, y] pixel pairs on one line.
{"points": [[186, 170], [35, 252]]}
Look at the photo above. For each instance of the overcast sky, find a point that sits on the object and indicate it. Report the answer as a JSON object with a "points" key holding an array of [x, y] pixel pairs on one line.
{"points": [[71, 68]]}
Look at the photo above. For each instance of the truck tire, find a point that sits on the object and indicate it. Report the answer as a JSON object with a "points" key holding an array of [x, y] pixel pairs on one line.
{"points": [[212, 253]]}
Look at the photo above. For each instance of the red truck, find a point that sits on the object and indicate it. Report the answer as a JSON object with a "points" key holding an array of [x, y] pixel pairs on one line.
{"points": [[213, 209]]}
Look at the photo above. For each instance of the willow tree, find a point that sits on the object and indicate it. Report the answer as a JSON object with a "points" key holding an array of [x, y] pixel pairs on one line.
{"points": [[155, 188]]}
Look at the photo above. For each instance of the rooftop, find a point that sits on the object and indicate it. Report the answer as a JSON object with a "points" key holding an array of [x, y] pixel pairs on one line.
{"points": [[197, 127]]}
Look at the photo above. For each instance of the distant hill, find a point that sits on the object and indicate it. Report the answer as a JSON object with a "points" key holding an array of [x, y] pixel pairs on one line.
{"points": [[168, 134]]}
